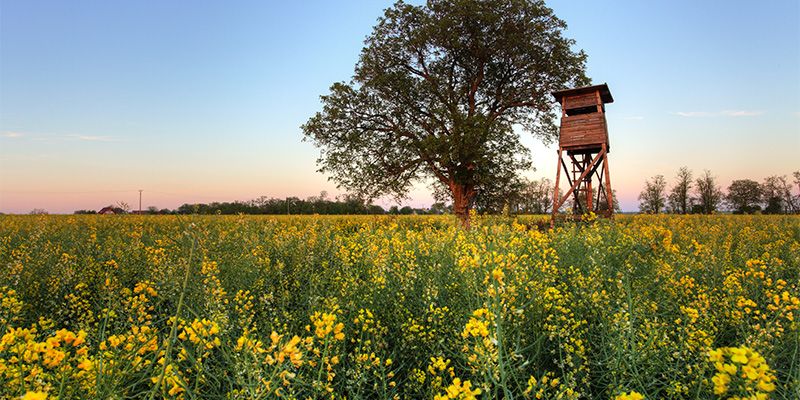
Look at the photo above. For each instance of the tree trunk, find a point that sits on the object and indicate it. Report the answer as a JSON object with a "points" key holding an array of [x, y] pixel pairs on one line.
{"points": [[463, 195]]}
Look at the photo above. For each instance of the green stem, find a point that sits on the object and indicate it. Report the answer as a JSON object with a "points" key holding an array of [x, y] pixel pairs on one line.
{"points": [[61, 384], [499, 337], [174, 328], [322, 361]]}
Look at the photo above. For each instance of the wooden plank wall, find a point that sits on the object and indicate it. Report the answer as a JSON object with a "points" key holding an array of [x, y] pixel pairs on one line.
{"points": [[582, 130], [580, 101]]}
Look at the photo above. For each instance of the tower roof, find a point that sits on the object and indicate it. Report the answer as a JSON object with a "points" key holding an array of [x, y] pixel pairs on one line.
{"points": [[605, 93]]}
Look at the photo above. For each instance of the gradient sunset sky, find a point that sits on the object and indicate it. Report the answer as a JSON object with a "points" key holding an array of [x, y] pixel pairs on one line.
{"points": [[200, 101]]}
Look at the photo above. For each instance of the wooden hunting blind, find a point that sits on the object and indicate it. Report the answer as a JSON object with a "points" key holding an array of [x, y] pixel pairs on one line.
{"points": [[583, 141]]}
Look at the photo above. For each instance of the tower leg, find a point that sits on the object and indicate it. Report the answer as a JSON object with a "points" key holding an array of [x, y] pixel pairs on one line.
{"points": [[601, 191], [609, 193], [588, 166], [588, 186], [556, 201]]}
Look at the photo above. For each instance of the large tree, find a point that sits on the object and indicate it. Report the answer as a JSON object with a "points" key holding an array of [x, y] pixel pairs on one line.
{"points": [[653, 198], [744, 196], [436, 93], [680, 199]]}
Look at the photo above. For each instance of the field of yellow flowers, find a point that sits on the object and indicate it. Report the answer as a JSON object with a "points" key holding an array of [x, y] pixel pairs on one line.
{"points": [[255, 307]]}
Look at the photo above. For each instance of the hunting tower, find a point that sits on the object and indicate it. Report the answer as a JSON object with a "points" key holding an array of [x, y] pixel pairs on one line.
{"points": [[583, 142]]}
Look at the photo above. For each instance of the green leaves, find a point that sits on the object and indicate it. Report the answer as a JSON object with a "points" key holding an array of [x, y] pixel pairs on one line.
{"points": [[436, 93]]}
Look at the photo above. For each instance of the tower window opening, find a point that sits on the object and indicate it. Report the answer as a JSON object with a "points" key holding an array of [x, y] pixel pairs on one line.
{"points": [[582, 110]]}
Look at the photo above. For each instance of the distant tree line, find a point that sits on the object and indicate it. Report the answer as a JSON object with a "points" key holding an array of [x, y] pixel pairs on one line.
{"points": [[687, 195], [321, 204], [704, 195], [520, 197]]}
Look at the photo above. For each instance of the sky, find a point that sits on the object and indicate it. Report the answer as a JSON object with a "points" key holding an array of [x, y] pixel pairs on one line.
{"points": [[203, 101]]}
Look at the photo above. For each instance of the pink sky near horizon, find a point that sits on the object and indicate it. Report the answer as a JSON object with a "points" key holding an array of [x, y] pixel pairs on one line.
{"points": [[90, 185]]}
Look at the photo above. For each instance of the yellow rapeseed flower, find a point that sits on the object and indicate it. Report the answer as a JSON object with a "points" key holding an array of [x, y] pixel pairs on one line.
{"points": [[629, 396], [34, 396]]}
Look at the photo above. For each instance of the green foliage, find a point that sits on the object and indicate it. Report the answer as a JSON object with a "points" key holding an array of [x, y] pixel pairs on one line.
{"points": [[436, 93], [680, 200], [709, 195], [744, 196], [777, 194], [653, 198]]}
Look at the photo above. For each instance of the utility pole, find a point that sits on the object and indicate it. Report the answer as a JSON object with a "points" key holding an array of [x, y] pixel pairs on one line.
{"points": [[287, 206], [140, 201]]}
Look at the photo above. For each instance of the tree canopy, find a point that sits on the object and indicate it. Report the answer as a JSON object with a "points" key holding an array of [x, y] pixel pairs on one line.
{"points": [[744, 196], [653, 198], [435, 96], [709, 194], [680, 199]]}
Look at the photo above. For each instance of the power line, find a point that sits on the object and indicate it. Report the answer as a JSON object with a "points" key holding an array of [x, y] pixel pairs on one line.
{"points": [[65, 192], [105, 191]]}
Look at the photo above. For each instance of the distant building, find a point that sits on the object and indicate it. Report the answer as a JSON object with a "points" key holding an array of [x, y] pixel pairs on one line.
{"points": [[107, 210]]}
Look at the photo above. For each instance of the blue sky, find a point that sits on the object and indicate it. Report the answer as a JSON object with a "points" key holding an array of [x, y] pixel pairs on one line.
{"points": [[202, 101]]}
